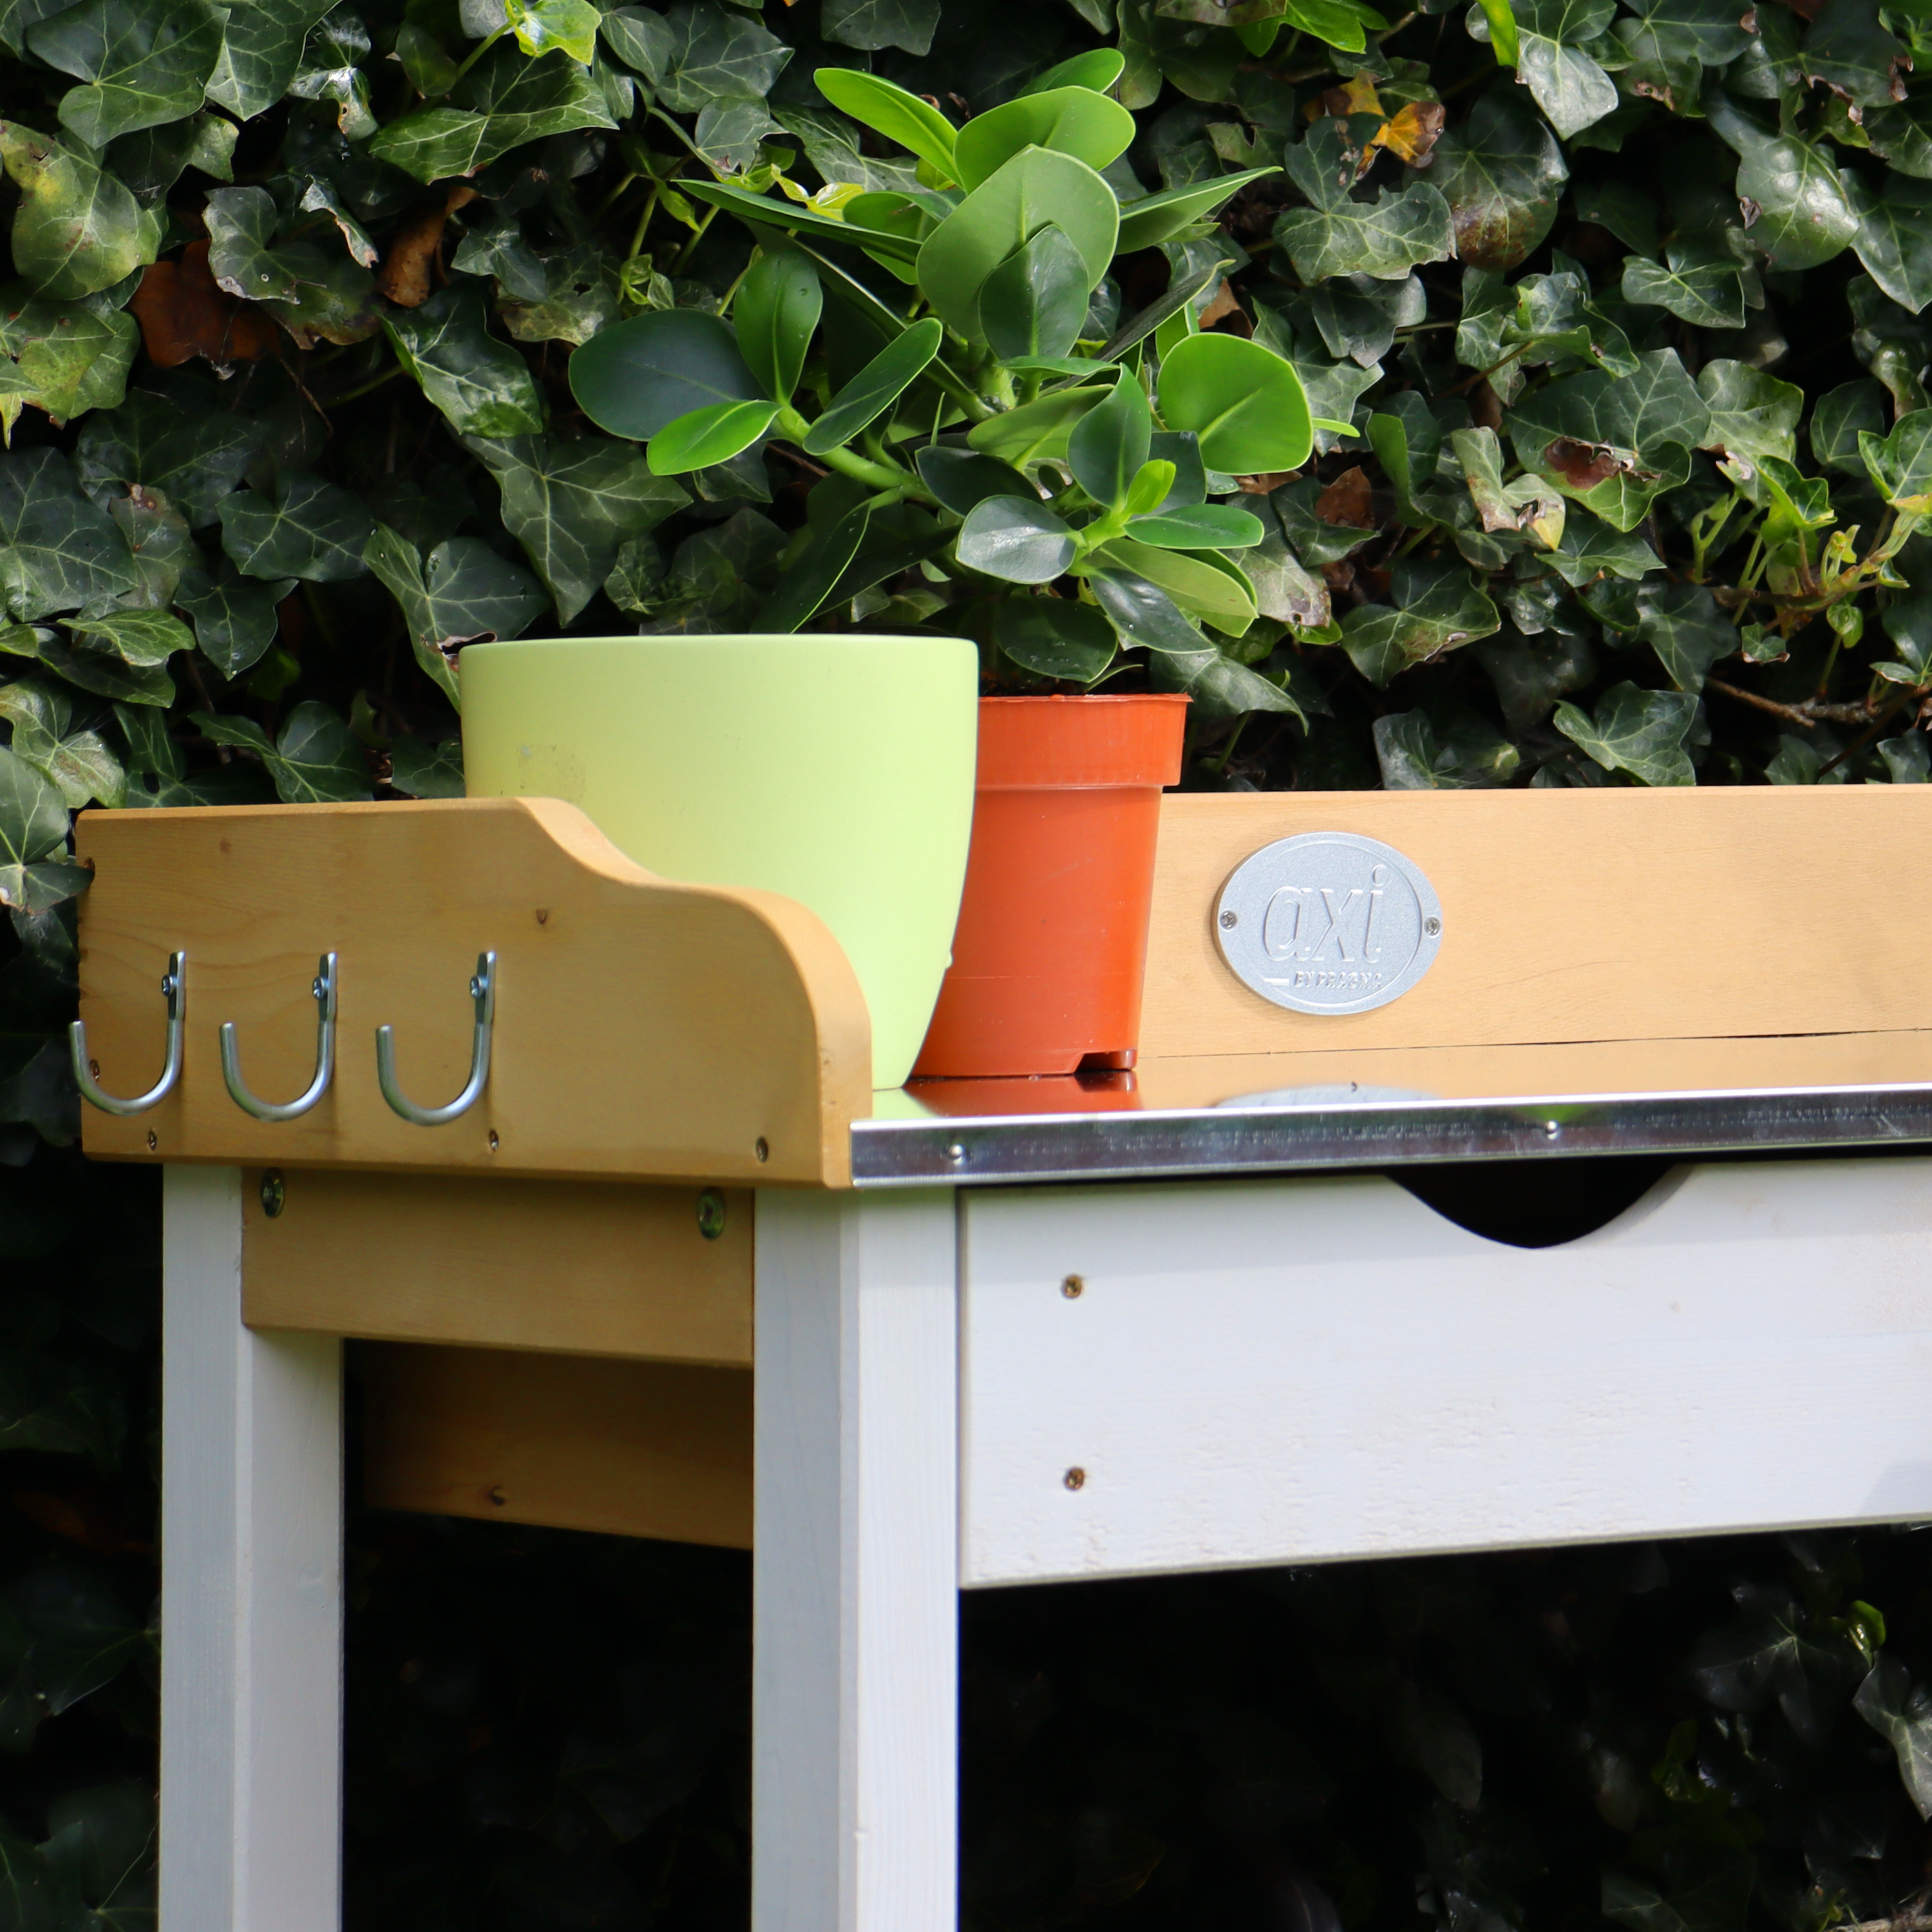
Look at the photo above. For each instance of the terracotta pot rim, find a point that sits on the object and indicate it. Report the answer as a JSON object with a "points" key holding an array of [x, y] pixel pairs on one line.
{"points": [[1098, 742]]}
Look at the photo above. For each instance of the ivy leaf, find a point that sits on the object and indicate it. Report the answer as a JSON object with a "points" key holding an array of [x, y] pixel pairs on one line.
{"points": [[1682, 623], [1219, 686], [146, 63], [331, 70], [1837, 418], [1640, 732], [141, 638], [301, 527], [567, 26], [712, 53], [1570, 87], [1631, 217], [465, 594], [1703, 284], [873, 25], [1900, 463], [1900, 1711], [571, 506], [1796, 207], [33, 822], [1413, 758], [65, 358], [1502, 175], [1590, 548], [240, 222], [1337, 235], [1433, 608], [57, 551], [419, 769], [76, 230], [480, 386], [1850, 52], [194, 457], [234, 616], [1017, 538], [314, 760], [1894, 236], [1753, 415], [77, 763], [260, 52]]}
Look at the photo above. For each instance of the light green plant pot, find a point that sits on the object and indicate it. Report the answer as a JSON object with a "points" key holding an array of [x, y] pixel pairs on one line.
{"points": [[836, 770]]}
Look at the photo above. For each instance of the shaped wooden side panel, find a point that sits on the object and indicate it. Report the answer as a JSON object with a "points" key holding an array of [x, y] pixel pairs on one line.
{"points": [[1619, 914], [657, 1449], [644, 1028]]}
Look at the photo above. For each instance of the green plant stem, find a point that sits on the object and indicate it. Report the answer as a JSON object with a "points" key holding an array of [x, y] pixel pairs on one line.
{"points": [[388, 375], [882, 476], [475, 54], [644, 220], [685, 254]]}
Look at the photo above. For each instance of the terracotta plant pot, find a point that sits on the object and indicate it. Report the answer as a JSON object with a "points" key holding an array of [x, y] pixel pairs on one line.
{"points": [[1052, 936]]}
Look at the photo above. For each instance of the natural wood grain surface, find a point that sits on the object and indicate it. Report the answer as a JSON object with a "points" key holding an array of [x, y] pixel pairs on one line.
{"points": [[577, 1267], [659, 1449], [1600, 915], [644, 1028]]}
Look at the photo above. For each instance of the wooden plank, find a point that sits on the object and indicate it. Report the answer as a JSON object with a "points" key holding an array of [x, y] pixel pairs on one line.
{"points": [[1577, 915], [251, 1592], [569, 1267], [644, 1029], [1301, 1370], [855, 1684], [630, 1448]]}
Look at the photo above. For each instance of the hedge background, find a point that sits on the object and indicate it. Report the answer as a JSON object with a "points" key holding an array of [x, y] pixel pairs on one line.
{"points": [[282, 369]]}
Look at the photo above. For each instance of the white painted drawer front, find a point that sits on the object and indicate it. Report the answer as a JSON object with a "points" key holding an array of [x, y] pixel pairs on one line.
{"points": [[1265, 1372]]}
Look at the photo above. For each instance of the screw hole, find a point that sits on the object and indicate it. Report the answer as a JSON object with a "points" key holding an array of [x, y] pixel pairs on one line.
{"points": [[497, 1497], [711, 1213], [762, 1148], [1075, 1479], [274, 1194], [493, 1141], [152, 1142], [543, 915]]}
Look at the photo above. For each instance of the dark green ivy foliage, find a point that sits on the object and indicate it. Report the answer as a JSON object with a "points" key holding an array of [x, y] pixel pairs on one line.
{"points": [[1624, 302]]}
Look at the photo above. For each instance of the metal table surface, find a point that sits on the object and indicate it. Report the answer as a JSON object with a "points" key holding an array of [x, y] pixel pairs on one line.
{"points": [[1098, 1132]]}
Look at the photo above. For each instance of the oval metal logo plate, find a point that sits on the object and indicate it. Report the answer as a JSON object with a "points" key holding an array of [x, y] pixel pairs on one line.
{"points": [[1328, 922]]}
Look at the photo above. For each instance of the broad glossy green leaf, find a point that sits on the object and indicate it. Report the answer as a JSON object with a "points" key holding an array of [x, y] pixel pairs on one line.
{"points": [[1839, 416], [1753, 415], [1848, 49], [1245, 403], [106, 673], [1111, 442], [892, 111], [301, 527], [716, 53], [962, 478], [57, 551], [1658, 62], [1414, 758], [777, 213], [572, 506], [464, 594], [1805, 215], [1182, 292], [1894, 236], [1069, 120], [1637, 731], [1098, 68], [1715, 27], [151, 162], [33, 817], [1432, 607], [1702, 284], [1035, 187], [65, 358], [707, 436], [1155, 218], [1036, 432], [480, 386], [1682, 623], [876, 387], [331, 70], [1017, 538], [778, 308], [314, 759], [1055, 637], [233, 616], [568, 27], [1502, 175], [145, 61], [1033, 305], [194, 457], [872, 24], [644, 374], [334, 301], [260, 53], [76, 762], [1626, 212], [1143, 614], [639, 36], [1900, 463], [1336, 234], [1206, 586], [420, 769], [241, 222], [1216, 686], [803, 589], [1570, 86], [77, 230], [141, 638], [1900, 1711]]}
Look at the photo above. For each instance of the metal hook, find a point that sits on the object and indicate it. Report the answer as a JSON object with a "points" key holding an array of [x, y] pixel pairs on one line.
{"points": [[323, 989], [483, 991], [174, 984]]}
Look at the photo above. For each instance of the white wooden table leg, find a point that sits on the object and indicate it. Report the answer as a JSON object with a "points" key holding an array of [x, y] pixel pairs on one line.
{"points": [[855, 1616], [251, 1592]]}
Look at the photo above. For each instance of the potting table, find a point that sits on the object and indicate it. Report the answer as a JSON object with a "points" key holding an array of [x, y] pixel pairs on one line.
{"points": [[676, 1273]]}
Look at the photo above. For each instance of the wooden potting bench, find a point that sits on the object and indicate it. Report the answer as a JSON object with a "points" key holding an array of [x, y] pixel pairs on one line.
{"points": [[675, 1272]]}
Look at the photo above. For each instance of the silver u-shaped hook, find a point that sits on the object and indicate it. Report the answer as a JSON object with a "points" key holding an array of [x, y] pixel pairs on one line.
{"points": [[483, 991], [323, 988], [174, 985]]}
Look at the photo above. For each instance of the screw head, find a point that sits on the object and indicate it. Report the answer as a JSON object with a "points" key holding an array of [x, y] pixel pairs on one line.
{"points": [[94, 1067], [152, 1142], [1075, 1479], [1431, 927], [1073, 1288], [167, 985], [710, 1213], [274, 1194], [1553, 1130], [315, 988], [1230, 919], [493, 1142], [955, 1153], [762, 1148]]}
